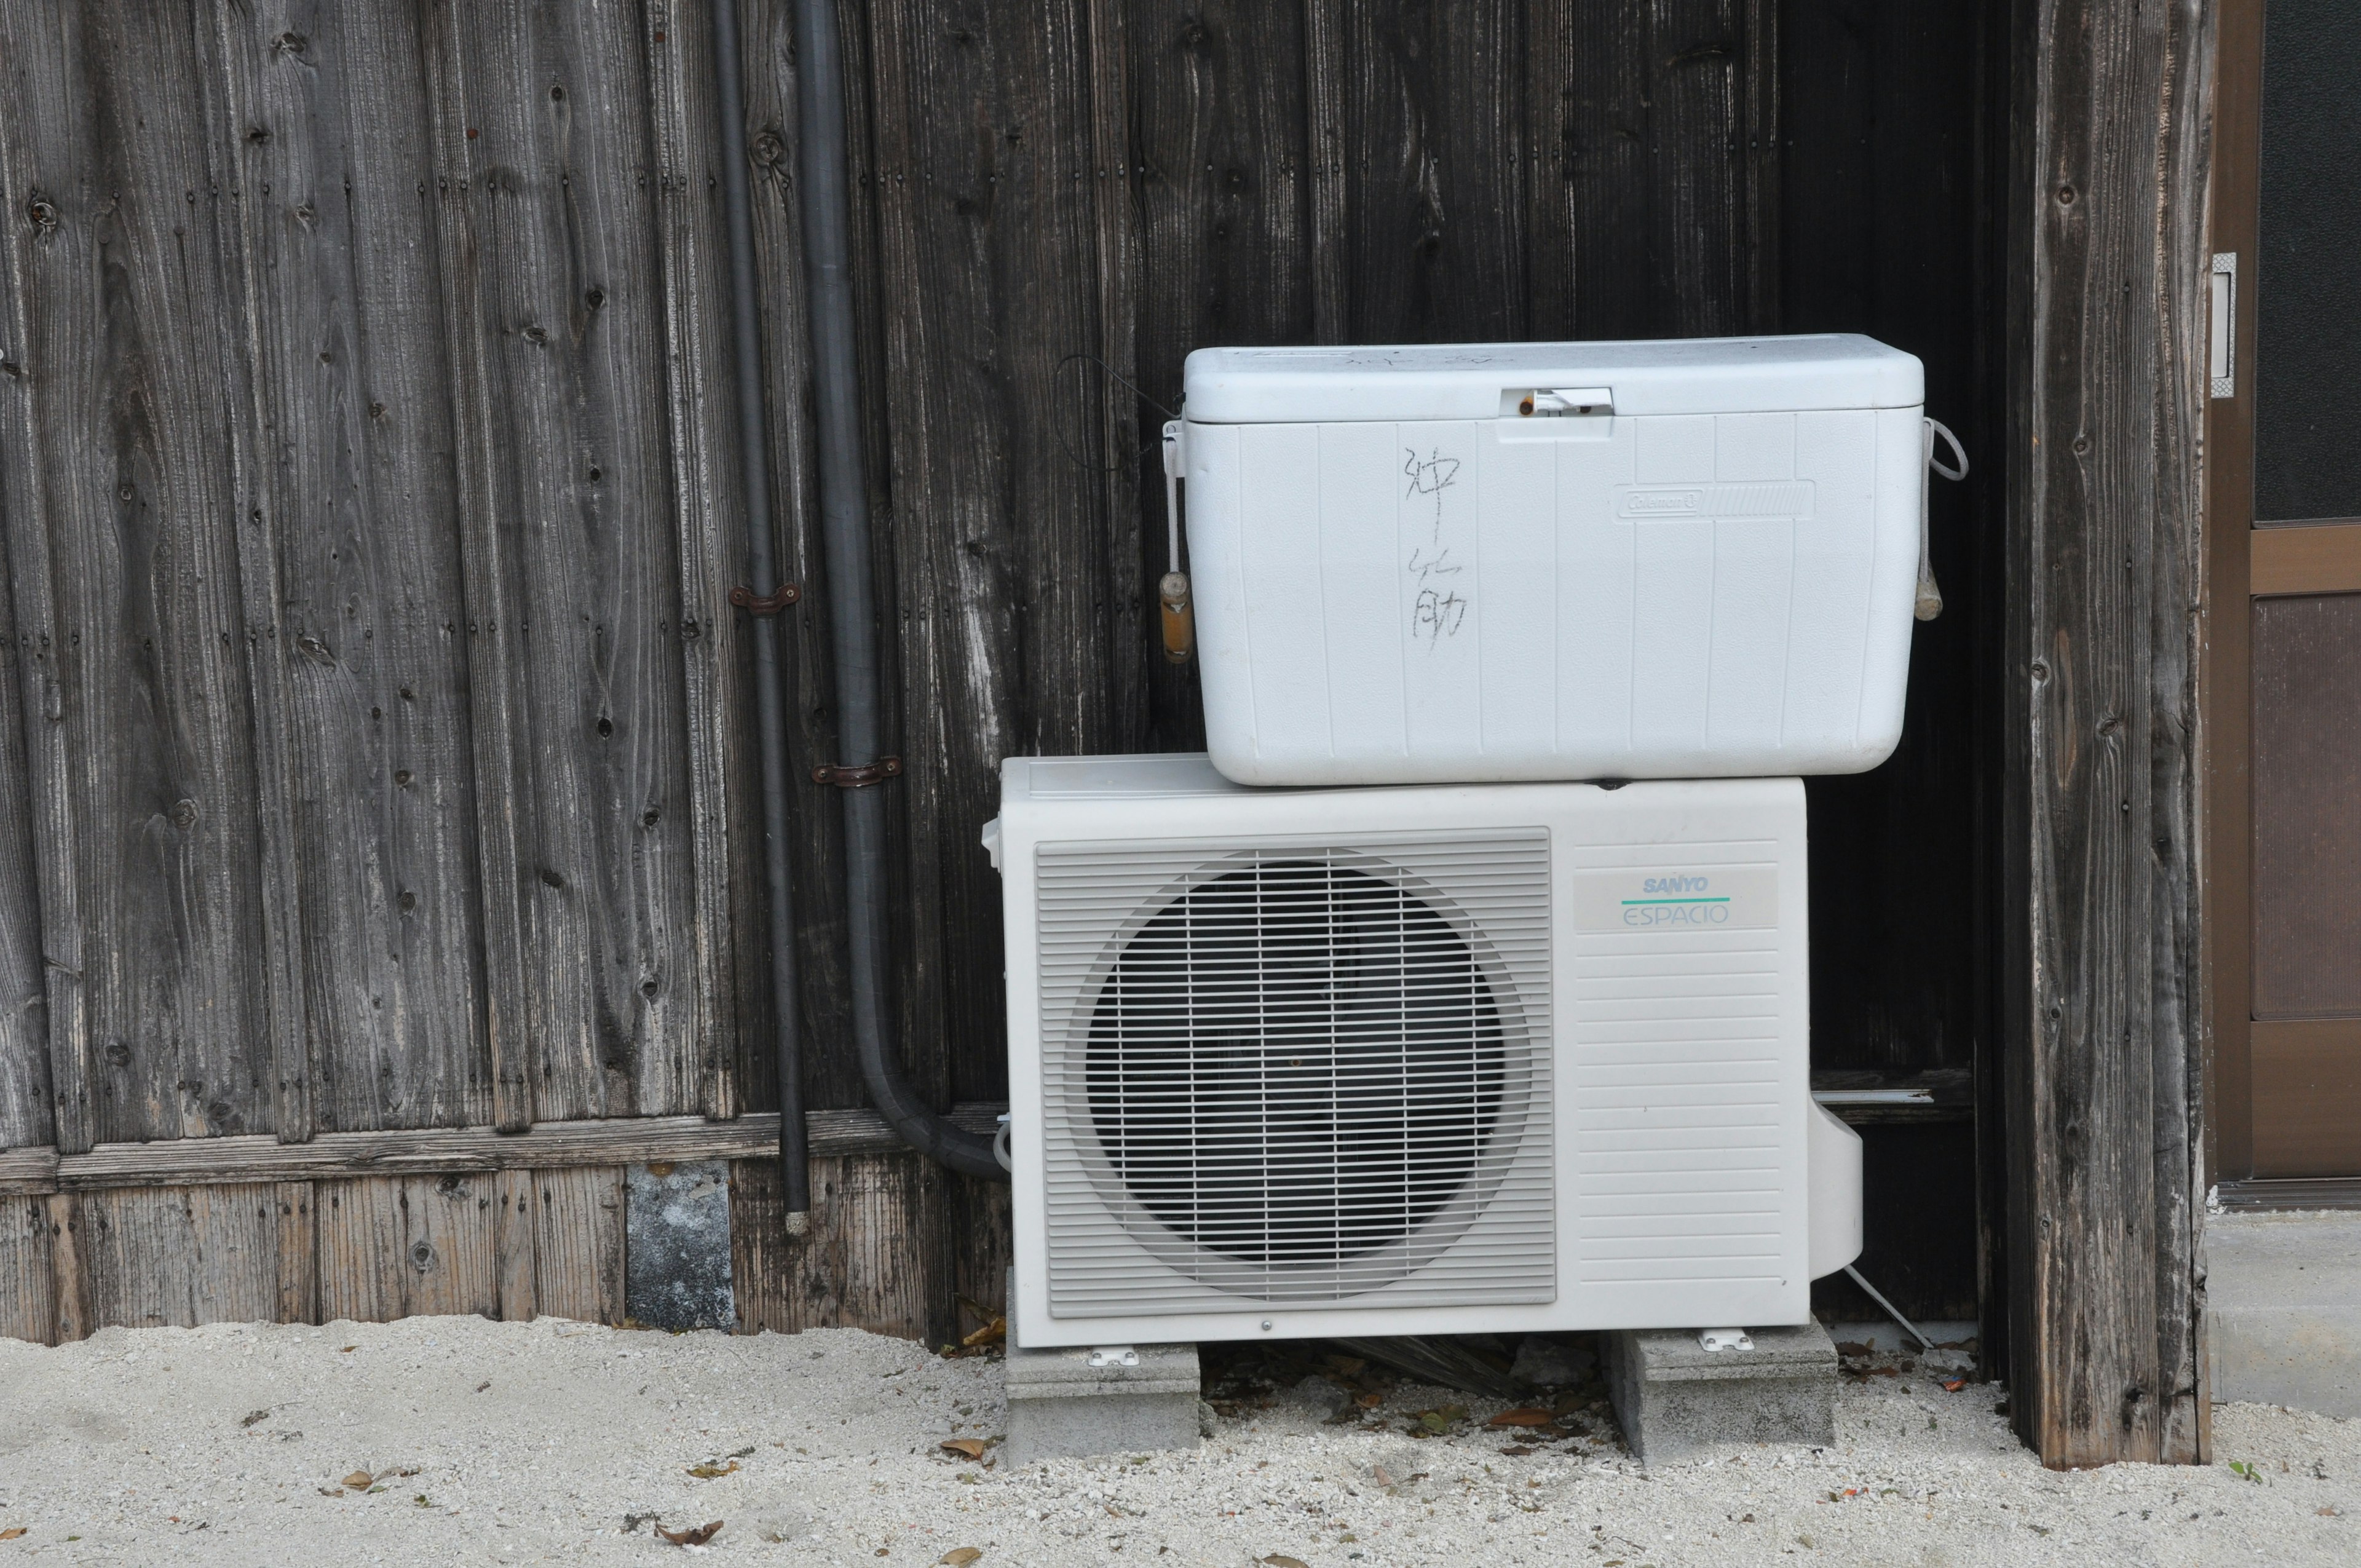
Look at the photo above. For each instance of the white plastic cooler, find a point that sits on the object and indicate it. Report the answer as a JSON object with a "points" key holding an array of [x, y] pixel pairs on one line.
{"points": [[1553, 561]]}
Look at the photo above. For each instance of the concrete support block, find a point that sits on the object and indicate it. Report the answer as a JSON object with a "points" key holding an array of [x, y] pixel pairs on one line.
{"points": [[2283, 1309], [1062, 1407], [1679, 1400]]}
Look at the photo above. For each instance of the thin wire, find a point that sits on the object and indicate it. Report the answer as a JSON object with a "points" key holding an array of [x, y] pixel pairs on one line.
{"points": [[1890, 1312], [1059, 431]]}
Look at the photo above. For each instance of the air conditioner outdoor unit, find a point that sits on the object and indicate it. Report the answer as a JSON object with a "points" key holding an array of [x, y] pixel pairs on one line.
{"points": [[1425, 1059]]}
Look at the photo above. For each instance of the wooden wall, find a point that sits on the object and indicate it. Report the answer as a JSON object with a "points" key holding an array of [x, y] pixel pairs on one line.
{"points": [[370, 745]]}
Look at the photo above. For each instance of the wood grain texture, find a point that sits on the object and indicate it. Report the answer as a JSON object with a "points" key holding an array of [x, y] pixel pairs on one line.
{"points": [[549, 1146], [28, 1286], [488, 609], [1004, 576], [71, 1313], [2106, 391], [516, 1256], [298, 1253], [558, 165], [124, 577], [25, 1108], [178, 1256], [256, 523], [353, 571], [395, 1246], [1433, 144], [872, 1260], [578, 1244], [1655, 151], [708, 516], [1222, 150]]}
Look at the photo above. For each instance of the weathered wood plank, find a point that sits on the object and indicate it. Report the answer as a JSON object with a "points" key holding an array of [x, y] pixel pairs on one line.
{"points": [[45, 156], [27, 1113], [393, 1246], [763, 1257], [1324, 138], [2105, 369], [709, 515], [495, 702], [1004, 573], [1433, 142], [71, 1317], [258, 523], [24, 1110], [28, 1286], [125, 575], [1225, 257], [548, 1145], [878, 1255], [557, 164], [1653, 170], [579, 1220], [178, 1256], [298, 1272], [354, 576], [514, 1234], [890, 1219]]}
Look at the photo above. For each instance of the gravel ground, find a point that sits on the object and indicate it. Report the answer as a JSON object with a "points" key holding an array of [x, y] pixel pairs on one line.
{"points": [[558, 1441]]}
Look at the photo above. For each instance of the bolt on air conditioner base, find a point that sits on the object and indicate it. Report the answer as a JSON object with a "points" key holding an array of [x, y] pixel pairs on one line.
{"points": [[1422, 1059]]}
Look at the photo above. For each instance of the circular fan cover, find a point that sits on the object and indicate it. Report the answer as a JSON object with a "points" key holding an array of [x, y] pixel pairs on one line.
{"points": [[1297, 1064]]}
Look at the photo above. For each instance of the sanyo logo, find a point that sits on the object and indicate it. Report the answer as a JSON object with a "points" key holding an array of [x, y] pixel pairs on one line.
{"points": [[1674, 884]]}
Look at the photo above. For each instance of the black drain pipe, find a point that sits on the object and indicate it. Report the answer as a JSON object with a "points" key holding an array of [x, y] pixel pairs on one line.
{"points": [[844, 519], [766, 598]]}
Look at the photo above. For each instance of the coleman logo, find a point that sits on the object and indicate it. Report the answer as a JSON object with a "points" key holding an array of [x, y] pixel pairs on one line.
{"points": [[1662, 503]]}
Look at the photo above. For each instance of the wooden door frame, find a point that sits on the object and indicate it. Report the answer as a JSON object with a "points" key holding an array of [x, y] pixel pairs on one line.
{"points": [[2226, 671], [2243, 562]]}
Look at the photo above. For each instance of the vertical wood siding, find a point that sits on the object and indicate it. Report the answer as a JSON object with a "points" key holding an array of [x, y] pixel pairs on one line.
{"points": [[2106, 391], [373, 737]]}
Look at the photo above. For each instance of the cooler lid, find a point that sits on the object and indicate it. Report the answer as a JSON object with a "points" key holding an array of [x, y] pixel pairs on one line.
{"points": [[1484, 381]]}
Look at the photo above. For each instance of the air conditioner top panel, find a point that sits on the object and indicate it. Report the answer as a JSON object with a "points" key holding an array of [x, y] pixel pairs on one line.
{"points": [[1165, 776], [1464, 382]]}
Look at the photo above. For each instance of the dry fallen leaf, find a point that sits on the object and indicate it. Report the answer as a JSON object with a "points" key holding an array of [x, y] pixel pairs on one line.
{"points": [[696, 1537], [360, 1480], [1955, 1384], [993, 1333], [1516, 1451], [959, 1556], [13, 1532], [1277, 1560], [972, 1447], [255, 1416], [708, 1472], [348, 1349], [1528, 1417]]}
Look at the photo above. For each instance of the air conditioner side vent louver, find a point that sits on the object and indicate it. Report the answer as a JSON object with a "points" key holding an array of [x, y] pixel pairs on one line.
{"points": [[1297, 1072]]}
